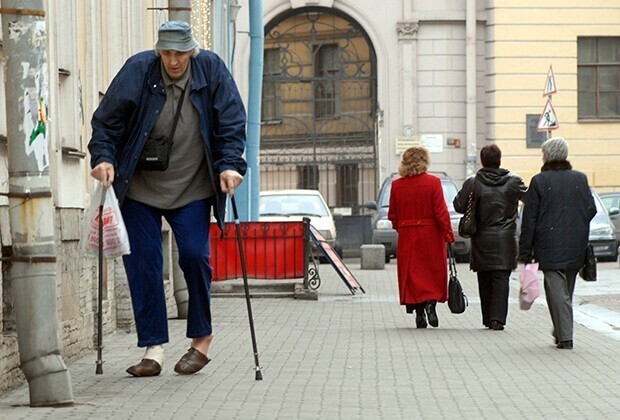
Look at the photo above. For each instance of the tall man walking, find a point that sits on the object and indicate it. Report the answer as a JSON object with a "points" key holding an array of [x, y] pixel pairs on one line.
{"points": [[181, 100]]}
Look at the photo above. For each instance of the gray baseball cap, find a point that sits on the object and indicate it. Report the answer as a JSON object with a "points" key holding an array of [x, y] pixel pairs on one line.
{"points": [[175, 35]]}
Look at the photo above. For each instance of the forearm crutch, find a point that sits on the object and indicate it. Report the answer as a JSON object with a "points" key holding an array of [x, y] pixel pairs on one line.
{"points": [[259, 375]]}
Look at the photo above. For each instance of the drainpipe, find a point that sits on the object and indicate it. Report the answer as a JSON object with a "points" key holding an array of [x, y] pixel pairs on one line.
{"points": [[179, 10], [470, 75], [257, 43], [33, 263], [217, 33]]}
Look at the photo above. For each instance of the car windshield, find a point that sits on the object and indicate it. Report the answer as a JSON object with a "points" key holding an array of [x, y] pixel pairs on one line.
{"points": [[292, 205], [449, 192], [601, 217], [385, 197], [610, 201]]}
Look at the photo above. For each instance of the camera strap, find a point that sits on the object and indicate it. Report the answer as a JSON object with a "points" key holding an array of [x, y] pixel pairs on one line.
{"points": [[177, 114]]}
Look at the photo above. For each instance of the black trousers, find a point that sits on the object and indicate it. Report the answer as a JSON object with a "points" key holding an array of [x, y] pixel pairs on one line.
{"points": [[493, 287]]}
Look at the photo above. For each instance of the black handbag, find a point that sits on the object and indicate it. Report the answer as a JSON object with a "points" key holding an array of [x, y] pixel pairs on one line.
{"points": [[467, 224], [457, 301], [588, 271], [155, 155]]}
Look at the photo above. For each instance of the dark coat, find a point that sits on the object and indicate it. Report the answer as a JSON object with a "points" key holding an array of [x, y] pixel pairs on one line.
{"points": [[556, 217], [419, 213], [130, 108], [497, 192]]}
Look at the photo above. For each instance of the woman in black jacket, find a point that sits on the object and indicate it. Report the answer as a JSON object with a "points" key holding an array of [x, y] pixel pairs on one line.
{"points": [[494, 245], [556, 224]]}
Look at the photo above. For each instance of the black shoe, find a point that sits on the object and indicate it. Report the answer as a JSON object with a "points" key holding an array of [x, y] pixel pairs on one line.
{"points": [[420, 320], [568, 345], [496, 325], [432, 315]]}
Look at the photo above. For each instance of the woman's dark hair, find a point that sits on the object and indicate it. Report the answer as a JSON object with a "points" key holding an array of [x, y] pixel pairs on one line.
{"points": [[491, 156]]}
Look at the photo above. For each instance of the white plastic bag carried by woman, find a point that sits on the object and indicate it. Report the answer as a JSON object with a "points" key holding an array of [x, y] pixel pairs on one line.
{"points": [[115, 239], [530, 286]]}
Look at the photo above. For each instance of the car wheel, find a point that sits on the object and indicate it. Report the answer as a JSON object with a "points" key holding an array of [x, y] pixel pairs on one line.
{"points": [[462, 258], [388, 258]]}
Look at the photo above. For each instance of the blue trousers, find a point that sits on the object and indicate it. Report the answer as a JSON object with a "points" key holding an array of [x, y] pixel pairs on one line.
{"points": [[144, 267]]}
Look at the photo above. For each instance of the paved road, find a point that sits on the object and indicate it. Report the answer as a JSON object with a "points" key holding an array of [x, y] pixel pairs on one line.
{"points": [[353, 357]]}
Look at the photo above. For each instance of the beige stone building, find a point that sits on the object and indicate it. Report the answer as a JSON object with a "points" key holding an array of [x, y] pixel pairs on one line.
{"points": [[406, 71], [581, 40], [348, 84]]}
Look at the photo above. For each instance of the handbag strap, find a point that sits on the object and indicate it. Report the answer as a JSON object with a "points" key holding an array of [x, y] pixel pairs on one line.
{"points": [[474, 196], [451, 261], [177, 114]]}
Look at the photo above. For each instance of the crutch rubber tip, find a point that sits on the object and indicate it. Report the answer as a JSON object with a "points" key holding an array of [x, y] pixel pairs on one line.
{"points": [[259, 375], [99, 370]]}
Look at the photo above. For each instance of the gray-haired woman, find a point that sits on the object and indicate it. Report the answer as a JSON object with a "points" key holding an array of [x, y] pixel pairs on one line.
{"points": [[556, 223]]}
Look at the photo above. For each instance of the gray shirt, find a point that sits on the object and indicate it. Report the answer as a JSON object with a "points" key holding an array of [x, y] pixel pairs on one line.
{"points": [[187, 178]]}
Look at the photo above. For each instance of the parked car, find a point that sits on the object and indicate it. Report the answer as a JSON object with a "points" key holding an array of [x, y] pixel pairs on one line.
{"points": [[603, 232], [294, 205], [611, 201], [383, 232]]}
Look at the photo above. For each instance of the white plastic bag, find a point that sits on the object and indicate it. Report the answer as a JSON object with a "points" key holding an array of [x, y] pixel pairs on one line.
{"points": [[115, 239], [530, 286]]}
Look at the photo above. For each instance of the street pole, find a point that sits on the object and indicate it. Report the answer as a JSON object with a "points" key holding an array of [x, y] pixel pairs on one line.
{"points": [[33, 261]]}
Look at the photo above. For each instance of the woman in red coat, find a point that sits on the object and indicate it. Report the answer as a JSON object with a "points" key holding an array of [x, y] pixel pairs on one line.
{"points": [[419, 213]]}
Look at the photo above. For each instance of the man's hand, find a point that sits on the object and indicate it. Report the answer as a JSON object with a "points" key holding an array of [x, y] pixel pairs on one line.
{"points": [[104, 172], [229, 180]]}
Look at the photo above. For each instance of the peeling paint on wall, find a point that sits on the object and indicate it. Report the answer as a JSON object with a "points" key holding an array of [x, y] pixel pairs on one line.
{"points": [[35, 119]]}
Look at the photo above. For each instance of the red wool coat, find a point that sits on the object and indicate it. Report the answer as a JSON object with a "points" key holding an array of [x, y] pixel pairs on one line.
{"points": [[419, 213]]}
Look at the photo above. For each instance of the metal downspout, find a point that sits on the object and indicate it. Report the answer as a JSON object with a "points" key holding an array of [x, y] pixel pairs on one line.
{"points": [[33, 264], [257, 44], [470, 75]]}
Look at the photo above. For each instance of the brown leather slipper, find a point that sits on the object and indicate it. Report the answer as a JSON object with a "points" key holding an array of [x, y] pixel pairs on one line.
{"points": [[147, 367], [191, 362]]}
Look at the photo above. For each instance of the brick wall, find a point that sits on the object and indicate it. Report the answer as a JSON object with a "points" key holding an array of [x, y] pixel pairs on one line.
{"points": [[77, 289]]}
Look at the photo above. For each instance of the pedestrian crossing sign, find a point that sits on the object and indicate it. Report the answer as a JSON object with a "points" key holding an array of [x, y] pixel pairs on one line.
{"points": [[548, 120], [550, 87]]}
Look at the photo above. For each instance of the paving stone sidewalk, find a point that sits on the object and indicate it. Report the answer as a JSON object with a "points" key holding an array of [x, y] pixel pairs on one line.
{"points": [[355, 357]]}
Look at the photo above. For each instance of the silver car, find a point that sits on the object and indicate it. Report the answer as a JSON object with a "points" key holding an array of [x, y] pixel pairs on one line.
{"points": [[383, 232], [603, 232], [611, 201]]}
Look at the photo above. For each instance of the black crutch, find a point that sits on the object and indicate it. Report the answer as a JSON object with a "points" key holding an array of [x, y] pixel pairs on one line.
{"points": [[259, 375], [99, 362]]}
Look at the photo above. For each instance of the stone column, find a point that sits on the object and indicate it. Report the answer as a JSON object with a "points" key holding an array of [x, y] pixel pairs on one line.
{"points": [[407, 84]]}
